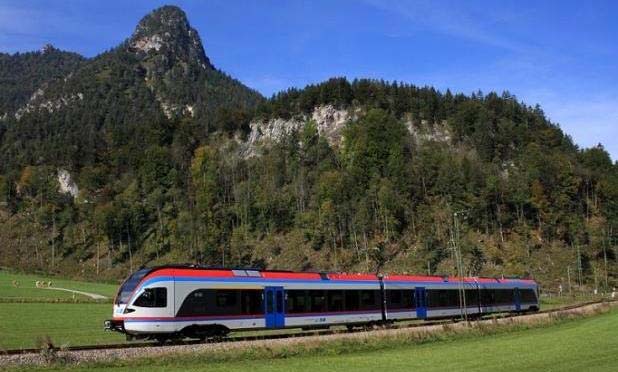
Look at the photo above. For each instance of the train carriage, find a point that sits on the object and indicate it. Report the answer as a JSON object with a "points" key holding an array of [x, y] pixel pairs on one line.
{"points": [[190, 301], [443, 297]]}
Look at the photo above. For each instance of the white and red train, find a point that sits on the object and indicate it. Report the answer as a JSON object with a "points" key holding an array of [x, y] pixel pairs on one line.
{"points": [[170, 302]]}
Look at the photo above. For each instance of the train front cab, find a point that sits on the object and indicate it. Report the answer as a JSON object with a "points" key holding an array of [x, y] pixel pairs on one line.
{"points": [[138, 305]]}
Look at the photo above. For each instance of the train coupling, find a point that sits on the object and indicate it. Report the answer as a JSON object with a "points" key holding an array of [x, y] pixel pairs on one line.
{"points": [[113, 325]]}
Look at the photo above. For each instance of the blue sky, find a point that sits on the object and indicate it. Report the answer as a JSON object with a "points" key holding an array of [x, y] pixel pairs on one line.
{"points": [[560, 54]]}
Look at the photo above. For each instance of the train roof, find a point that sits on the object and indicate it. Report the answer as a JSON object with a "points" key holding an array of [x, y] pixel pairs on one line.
{"points": [[223, 272]]}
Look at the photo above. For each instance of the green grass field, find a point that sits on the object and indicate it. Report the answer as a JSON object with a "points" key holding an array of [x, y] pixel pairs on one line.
{"points": [[66, 324], [588, 344], [21, 324], [27, 289]]}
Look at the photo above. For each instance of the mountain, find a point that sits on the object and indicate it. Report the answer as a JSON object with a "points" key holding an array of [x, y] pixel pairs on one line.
{"points": [[148, 154], [156, 78]]}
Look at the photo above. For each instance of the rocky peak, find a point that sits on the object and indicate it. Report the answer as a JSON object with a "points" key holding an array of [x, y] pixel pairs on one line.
{"points": [[166, 31]]}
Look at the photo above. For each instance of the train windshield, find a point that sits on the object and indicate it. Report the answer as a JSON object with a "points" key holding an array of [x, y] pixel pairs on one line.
{"points": [[129, 286]]}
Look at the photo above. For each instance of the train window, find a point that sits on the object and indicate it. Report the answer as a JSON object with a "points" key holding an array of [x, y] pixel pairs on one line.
{"points": [[297, 302], [127, 288], [487, 297], [369, 300], [399, 299], [335, 300], [269, 302], [352, 300], [442, 298], [394, 297], [195, 304], [279, 301], [494, 297], [251, 301], [204, 302], [472, 297], [152, 297], [226, 298], [505, 296], [528, 296], [317, 301], [408, 299]]}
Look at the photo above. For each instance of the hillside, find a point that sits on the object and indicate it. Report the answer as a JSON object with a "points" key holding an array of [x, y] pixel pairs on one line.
{"points": [[148, 154], [22, 74]]}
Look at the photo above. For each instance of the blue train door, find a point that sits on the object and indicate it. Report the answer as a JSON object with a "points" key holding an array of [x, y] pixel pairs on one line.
{"points": [[274, 307], [517, 298], [421, 302]]}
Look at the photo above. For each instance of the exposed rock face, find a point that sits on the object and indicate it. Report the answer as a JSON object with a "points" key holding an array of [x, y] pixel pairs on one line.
{"points": [[425, 132], [37, 102], [66, 183], [172, 109], [264, 133], [329, 121]]}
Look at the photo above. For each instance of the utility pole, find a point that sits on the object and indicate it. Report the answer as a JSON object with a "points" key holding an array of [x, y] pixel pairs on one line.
{"points": [[459, 263], [53, 240], [605, 244], [98, 255], [579, 268], [569, 278]]}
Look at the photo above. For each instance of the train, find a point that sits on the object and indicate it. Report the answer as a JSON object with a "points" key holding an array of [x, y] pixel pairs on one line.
{"points": [[188, 301]]}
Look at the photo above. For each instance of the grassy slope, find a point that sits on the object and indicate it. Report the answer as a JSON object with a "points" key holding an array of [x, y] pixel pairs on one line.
{"points": [[586, 344], [28, 290]]}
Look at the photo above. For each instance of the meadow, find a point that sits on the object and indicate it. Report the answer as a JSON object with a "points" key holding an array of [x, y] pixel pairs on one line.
{"points": [[588, 344], [23, 324], [28, 313]]}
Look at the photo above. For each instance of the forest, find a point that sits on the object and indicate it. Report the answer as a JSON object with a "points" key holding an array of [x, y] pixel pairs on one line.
{"points": [[419, 174]]}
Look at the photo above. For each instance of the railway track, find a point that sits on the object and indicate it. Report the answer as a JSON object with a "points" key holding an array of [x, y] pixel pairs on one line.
{"points": [[321, 332]]}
